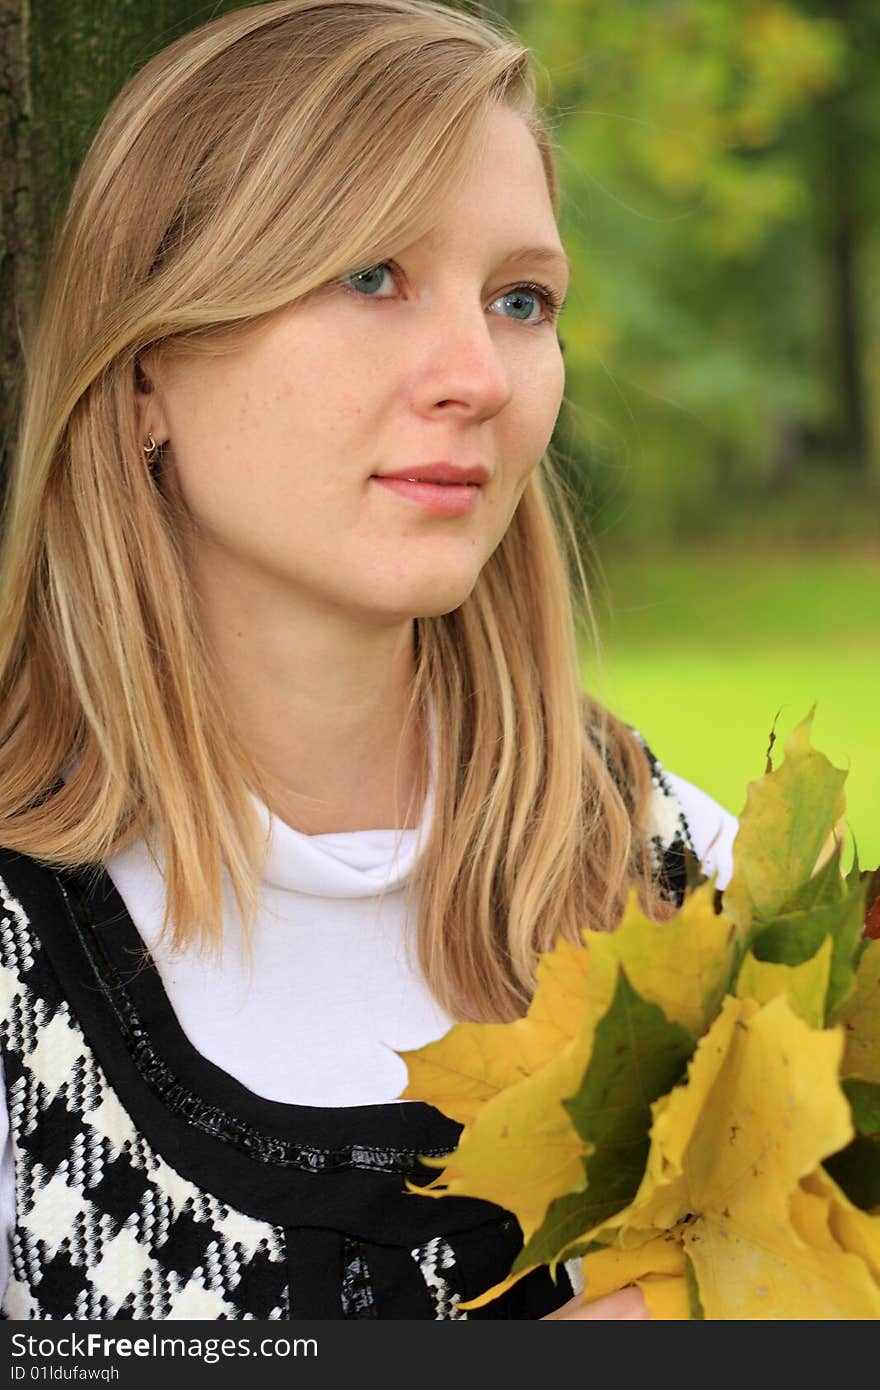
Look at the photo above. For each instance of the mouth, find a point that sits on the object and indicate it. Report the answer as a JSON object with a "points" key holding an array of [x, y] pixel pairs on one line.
{"points": [[442, 474], [436, 496]]}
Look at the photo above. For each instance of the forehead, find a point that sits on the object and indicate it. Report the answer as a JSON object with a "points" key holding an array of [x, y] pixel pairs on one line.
{"points": [[502, 197]]}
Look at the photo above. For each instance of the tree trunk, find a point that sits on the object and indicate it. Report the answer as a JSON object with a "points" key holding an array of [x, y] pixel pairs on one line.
{"points": [[61, 64], [18, 251]]}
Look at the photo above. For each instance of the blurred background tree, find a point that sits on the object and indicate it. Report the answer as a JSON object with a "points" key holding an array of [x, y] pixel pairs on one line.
{"points": [[721, 208], [721, 430]]}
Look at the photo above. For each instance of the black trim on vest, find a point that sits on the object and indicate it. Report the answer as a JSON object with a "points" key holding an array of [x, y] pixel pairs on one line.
{"points": [[270, 1160], [387, 1253]]}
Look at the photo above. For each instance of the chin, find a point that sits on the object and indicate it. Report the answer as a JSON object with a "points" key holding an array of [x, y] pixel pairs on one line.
{"points": [[439, 610], [433, 601]]}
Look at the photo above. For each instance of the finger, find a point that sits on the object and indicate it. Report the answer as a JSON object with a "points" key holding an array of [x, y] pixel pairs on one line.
{"points": [[626, 1305]]}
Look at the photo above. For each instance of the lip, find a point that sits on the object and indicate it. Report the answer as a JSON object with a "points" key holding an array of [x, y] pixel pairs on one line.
{"points": [[442, 472], [440, 499], [442, 488]]}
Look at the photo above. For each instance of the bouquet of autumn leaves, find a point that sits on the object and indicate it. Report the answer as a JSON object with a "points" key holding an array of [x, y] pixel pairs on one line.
{"points": [[693, 1106]]}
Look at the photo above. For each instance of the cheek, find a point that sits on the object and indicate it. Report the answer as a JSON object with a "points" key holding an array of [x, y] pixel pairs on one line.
{"points": [[538, 400], [552, 390], [240, 439], [231, 474]]}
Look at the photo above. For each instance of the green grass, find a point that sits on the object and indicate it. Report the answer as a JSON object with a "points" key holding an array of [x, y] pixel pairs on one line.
{"points": [[703, 648]]}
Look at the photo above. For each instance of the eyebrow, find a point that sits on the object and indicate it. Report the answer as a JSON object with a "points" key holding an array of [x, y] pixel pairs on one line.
{"points": [[540, 253]]}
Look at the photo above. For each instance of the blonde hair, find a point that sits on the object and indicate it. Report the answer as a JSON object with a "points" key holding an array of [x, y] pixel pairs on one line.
{"points": [[182, 231]]}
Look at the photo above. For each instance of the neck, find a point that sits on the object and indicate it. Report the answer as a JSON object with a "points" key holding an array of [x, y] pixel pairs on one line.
{"points": [[318, 701]]}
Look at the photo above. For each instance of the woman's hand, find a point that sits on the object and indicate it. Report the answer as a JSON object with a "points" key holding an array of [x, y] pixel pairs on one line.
{"points": [[626, 1305]]}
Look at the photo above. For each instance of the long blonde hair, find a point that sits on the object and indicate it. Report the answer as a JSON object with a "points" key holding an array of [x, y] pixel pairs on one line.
{"points": [[249, 162]]}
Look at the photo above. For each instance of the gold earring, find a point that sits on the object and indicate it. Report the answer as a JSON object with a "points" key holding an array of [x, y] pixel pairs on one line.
{"points": [[150, 449]]}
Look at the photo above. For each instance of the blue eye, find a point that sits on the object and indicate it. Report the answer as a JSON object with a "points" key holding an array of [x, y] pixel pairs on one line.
{"points": [[368, 280], [520, 303], [522, 300], [527, 298]]}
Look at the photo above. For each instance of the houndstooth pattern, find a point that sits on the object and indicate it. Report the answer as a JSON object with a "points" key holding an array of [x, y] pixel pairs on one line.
{"points": [[432, 1259], [668, 832], [104, 1225]]}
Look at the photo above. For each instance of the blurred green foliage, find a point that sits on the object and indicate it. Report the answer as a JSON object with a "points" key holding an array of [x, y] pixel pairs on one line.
{"points": [[704, 649], [721, 206], [721, 192]]}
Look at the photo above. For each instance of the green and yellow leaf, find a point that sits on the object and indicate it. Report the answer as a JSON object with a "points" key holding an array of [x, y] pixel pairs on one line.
{"points": [[805, 986], [637, 1055], [762, 1107], [860, 1015], [791, 817], [741, 1184]]}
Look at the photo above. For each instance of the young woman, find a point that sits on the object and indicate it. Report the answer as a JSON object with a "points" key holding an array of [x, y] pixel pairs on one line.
{"points": [[295, 769]]}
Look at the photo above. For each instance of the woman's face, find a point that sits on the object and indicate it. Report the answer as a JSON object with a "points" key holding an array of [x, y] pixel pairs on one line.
{"points": [[438, 357]]}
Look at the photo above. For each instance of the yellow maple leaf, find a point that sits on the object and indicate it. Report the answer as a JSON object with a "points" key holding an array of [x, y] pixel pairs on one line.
{"points": [[522, 1150], [810, 1218], [657, 1268], [761, 1108], [506, 1084], [527, 1145], [666, 1297], [852, 1230], [683, 965], [613, 1073], [473, 1062], [823, 1218]]}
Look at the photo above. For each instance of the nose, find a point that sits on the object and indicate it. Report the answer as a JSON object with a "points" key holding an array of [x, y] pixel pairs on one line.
{"points": [[462, 368]]}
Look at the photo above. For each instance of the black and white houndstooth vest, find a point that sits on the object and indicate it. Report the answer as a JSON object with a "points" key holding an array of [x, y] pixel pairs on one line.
{"points": [[152, 1185]]}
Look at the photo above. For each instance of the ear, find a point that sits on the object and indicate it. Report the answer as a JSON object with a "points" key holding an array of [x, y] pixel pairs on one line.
{"points": [[149, 400]]}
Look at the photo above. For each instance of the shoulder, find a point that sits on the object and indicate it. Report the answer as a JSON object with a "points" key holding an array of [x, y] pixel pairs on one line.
{"points": [[683, 814], [24, 875], [713, 829]]}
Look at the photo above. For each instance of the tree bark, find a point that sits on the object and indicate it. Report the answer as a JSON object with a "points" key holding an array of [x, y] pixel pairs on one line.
{"points": [[18, 251], [61, 64]]}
